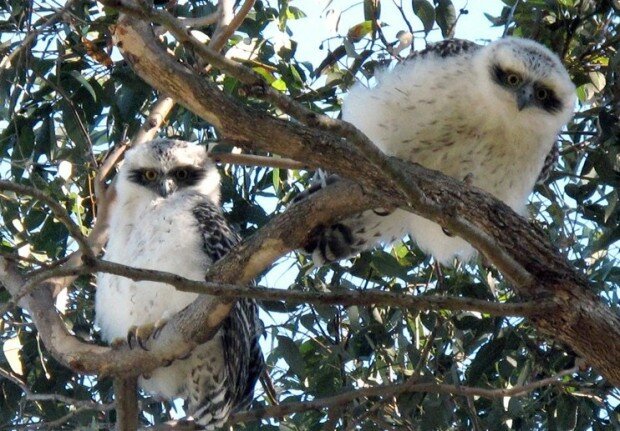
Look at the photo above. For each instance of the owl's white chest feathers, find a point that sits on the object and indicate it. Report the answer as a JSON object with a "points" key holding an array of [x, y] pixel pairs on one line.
{"points": [[447, 121], [161, 235]]}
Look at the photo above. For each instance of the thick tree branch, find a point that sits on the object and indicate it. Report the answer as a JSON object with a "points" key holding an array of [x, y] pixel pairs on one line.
{"points": [[516, 248], [195, 324]]}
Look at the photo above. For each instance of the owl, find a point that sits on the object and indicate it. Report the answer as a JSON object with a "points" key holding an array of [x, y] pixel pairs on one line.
{"points": [[168, 217], [489, 115]]}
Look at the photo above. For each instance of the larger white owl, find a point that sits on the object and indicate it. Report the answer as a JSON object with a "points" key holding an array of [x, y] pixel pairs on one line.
{"points": [[167, 217], [490, 114]]}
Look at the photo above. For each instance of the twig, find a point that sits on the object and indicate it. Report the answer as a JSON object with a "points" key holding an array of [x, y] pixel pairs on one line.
{"points": [[157, 117], [286, 409], [30, 396], [201, 21], [56, 424], [33, 34], [252, 160], [403, 14], [510, 17], [415, 376], [347, 298], [226, 30], [58, 210]]}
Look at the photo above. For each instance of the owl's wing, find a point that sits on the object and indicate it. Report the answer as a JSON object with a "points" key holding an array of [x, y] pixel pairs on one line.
{"points": [[242, 329], [446, 48], [550, 162], [242, 353]]}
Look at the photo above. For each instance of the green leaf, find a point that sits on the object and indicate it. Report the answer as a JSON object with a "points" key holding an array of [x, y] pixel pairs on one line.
{"points": [[279, 85], [290, 353], [446, 17], [426, 12], [358, 31], [78, 76], [71, 120], [486, 356], [386, 264], [566, 416]]}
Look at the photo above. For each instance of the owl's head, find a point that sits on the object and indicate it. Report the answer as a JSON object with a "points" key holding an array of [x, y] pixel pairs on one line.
{"points": [[163, 168], [529, 78]]}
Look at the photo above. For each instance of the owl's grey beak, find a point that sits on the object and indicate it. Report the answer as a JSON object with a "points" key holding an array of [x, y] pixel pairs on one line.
{"points": [[166, 187], [525, 96]]}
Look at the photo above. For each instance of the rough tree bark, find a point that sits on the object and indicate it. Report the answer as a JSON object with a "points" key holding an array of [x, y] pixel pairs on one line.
{"points": [[518, 249]]}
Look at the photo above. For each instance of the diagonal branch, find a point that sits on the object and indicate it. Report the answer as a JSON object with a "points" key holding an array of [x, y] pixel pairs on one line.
{"points": [[227, 27], [197, 323], [519, 251]]}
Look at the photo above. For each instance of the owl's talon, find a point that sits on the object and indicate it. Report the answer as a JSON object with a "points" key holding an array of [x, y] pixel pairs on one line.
{"points": [[140, 335], [185, 356], [447, 232], [159, 325], [131, 335], [142, 344]]}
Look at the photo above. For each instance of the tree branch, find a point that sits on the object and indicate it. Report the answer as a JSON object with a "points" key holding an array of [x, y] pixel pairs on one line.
{"points": [[58, 210], [287, 409], [197, 323], [518, 250], [126, 397], [228, 26], [346, 297], [252, 160]]}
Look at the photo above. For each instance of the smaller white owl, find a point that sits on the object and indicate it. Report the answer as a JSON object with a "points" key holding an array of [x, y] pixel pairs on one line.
{"points": [[167, 217]]}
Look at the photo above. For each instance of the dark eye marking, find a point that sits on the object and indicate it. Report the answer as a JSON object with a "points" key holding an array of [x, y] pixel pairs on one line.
{"points": [[506, 78], [187, 175], [546, 98], [542, 94], [144, 176]]}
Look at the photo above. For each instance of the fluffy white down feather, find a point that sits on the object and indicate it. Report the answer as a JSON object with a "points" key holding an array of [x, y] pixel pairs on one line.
{"points": [[447, 114]]}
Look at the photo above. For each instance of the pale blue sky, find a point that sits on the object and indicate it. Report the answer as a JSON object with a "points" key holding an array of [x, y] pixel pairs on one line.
{"points": [[309, 32]]}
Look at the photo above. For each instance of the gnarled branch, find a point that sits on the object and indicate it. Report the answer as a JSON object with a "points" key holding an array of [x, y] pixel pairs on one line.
{"points": [[519, 251]]}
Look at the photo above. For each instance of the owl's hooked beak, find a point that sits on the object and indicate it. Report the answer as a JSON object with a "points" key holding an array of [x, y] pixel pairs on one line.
{"points": [[525, 96], [166, 187]]}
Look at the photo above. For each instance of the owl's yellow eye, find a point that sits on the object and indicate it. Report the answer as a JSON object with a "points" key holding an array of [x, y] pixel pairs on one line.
{"points": [[542, 94], [150, 175], [513, 79], [181, 174]]}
